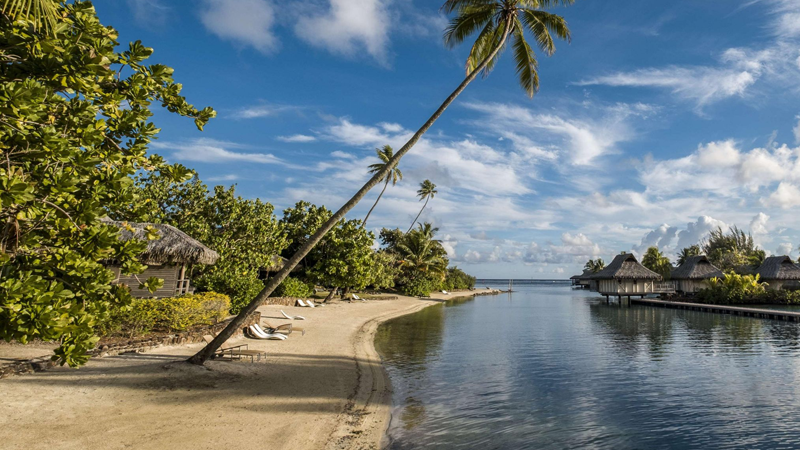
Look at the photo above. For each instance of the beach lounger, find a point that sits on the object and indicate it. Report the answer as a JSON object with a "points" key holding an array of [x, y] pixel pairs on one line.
{"points": [[256, 332], [292, 317], [235, 352], [300, 303], [445, 293], [285, 328], [355, 297], [311, 304]]}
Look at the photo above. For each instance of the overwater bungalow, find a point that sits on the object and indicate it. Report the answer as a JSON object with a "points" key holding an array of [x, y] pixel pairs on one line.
{"points": [[625, 277], [691, 276], [166, 258], [780, 272], [582, 281]]}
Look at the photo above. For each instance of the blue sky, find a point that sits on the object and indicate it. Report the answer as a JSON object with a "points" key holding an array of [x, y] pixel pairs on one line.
{"points": [[659, 122]]}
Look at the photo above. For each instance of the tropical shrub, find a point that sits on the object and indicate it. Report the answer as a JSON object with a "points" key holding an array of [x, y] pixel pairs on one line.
{"points": [[732, 251], [732, 289], [420, 286], [457, 279], [293, 287], [172, 314], [384, 271], [74, 127]]}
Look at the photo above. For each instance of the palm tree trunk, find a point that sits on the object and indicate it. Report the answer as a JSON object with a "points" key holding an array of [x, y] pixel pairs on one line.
{"points": [[364, 223], [237, 323], [419, 214]]}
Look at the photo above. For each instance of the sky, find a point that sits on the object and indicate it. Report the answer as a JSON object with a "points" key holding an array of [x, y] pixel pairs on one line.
{"points": [[657, 123]]}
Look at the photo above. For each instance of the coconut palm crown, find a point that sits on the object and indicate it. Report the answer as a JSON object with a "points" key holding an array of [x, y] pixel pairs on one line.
{"points": [[494, 19], [427, 190], [384, 154]]}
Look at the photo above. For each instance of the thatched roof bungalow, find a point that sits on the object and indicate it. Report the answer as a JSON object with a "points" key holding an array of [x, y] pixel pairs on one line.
{"points": [[583, 279], [780, 272], [166, 258], [691, 276], [625, 277]]}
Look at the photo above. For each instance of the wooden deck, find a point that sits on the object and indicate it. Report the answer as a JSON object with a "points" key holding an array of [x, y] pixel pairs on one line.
{"points": [[772, 314]]}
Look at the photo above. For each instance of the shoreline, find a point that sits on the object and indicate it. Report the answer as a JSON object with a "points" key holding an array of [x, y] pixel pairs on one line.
{"points": [[326, 388]]}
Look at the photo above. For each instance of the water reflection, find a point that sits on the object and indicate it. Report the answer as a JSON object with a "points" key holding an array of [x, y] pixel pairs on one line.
{"points": [[551, 368]]}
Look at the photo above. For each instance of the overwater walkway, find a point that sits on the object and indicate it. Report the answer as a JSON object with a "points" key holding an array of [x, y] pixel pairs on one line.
{"points": [[771, 314]]}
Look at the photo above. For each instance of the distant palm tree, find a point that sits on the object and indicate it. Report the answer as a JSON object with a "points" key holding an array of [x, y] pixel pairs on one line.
{"points": [[595, 265], [385, 154], [427, 191], [421, 254], [495, 21], [688, 252]]}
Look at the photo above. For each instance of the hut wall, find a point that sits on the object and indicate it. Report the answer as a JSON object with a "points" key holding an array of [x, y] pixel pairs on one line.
{"points": [[170, 273], [690, 286], [775, 285], [634, 287]]}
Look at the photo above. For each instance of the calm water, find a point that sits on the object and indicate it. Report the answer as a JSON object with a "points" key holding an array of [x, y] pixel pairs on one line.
{"points": [[551, 368]]}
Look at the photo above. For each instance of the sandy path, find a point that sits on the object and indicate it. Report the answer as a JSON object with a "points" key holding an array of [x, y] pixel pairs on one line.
{"points": [[326, 389]]}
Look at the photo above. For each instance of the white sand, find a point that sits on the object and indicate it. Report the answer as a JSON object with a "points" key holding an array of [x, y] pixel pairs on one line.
{"points": [[326, 389]]}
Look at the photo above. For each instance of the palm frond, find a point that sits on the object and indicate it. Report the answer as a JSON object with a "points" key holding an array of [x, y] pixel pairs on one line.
{"points": [[527, 66], [43, 13], [544, 4], [541, 24], [463, 25], [484, 45], [459, 5]]}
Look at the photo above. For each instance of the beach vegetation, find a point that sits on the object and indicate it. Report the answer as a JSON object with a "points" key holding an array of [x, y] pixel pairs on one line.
{"points": [[427, 190], [734, 250], [494, 21], [456, 278], [654, 260], [294, 287], [595, 265], [688, 252], [146, 315], [74, 126], [385, 155], [732, 289]]}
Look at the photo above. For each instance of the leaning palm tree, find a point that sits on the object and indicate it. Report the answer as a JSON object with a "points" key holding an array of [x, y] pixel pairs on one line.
{"points": [[495, 21], [385, 155], [427, 191]]}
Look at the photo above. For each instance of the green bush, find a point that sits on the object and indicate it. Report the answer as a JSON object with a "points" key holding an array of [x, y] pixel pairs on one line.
{"points": [[457, 279], [420, 287], [241, 286], [292, 287], [171, 314]]}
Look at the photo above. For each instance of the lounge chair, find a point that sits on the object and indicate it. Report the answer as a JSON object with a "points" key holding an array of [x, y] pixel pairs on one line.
{"points": [[445, 293], [292, 317], [256, 332], [235, 352], [355, 297], [300, 303], [285, 328], [311, 304]]}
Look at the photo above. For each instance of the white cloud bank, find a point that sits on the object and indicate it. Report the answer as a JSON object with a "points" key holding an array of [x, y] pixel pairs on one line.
{"points": [[246, 22]]}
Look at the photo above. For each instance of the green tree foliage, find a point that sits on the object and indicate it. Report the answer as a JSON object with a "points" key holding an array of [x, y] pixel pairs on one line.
{"points": [[344, 259], [384, 271], [595, 265], [293, 287], [427, 191], [732, 251], [654, 260], [457, 279], [731, 289], [384, 154], [74, 127], [688, 252], [245, 233], [182, 313], [423, 261]]}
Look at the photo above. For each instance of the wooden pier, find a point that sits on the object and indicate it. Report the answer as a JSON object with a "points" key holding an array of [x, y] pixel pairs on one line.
{"points": [[772, 314]]}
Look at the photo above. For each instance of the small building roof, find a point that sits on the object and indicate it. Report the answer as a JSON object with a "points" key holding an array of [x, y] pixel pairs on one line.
{"points": [[779, 268], [583, 276], [625, 267], [174, 246], [696, 268]]}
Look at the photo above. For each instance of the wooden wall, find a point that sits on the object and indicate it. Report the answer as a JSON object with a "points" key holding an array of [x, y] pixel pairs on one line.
{"points": [[170, 273], [614, 287]]}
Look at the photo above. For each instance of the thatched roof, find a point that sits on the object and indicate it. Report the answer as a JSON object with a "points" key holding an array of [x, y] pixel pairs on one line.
{"points": [[696, 268], [174, 246], [779, 268], [584, 276], [625, 267]]}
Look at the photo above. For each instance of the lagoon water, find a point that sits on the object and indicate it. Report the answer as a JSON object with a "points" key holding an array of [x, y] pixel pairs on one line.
{"points": [[548, 367]]}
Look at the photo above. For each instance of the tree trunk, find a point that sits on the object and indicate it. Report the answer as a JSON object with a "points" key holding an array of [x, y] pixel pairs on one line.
{"points": [[419, 214], [364, 223], [345, 292], [237, 323], [330, 294]]}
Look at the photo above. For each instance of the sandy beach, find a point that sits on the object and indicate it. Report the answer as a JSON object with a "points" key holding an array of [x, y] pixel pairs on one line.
{"points": [[324, 389]]}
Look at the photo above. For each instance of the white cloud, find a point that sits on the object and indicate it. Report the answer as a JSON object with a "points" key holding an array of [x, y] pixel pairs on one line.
{"points": [[796, 129], [229, 177], [660, 237], [263, 110], [786, 196], [297, 138], [214, 151], [247, 22], [150, 13], [758, 226], [785, 248], [698, 231], [347, 27]]}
